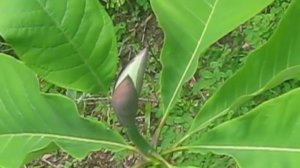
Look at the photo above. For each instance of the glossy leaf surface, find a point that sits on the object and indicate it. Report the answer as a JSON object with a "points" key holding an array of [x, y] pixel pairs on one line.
{"points": [[31, 122], [68, 42], [190, 27], [268, 136], [265, 68]]}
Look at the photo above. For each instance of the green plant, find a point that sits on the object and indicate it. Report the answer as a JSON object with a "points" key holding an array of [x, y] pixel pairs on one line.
{"points": [[71, 43], [114, 3]]}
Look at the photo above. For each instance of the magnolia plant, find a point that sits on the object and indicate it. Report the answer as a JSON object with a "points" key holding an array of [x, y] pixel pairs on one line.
{"points": [[126, 96], [72, 44]]}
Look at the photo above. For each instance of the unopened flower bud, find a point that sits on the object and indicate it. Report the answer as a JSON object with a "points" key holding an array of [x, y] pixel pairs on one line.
{"points": [[135, 70], [125, 102], [127, 89]]}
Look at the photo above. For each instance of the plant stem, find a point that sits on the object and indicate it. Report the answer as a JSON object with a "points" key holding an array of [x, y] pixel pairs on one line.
{"points": [[144, 147], [158, 130], [140, 142], [182, 140], [140, 164], [202, 126], [162, 160], [181, 148], [4, 44]]}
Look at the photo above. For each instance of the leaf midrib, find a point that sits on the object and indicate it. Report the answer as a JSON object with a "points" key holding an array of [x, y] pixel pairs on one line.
{"points": [[244, 148], [246, 95], [94, 74], [192, 58], [70, 138], [204, 124]]}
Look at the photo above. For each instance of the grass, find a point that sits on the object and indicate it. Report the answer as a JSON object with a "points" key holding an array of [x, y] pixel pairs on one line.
{"points": [[136, 28]]}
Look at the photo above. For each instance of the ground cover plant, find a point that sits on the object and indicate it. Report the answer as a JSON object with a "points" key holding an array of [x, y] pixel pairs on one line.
{"points": [[72, 44]]}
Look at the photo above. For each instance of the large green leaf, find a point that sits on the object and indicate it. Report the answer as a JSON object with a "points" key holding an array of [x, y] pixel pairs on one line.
{"points": [[268, 66], [31, 121], [68, 42], [190, 27], [268, 136]]}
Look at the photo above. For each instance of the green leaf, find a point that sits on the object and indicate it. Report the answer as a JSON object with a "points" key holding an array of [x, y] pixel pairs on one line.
{"points": [[268, 136], [190, 27], [31, 121], [68, 42], [265, 68]]}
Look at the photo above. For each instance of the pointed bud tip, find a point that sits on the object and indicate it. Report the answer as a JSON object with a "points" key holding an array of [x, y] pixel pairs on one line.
{"points": [[144, 52], [135, 70]]}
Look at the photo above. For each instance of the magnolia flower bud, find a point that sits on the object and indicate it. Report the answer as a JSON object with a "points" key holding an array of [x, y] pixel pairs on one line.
{"points": [[125, 100], [127, 89], [135, 70]]}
